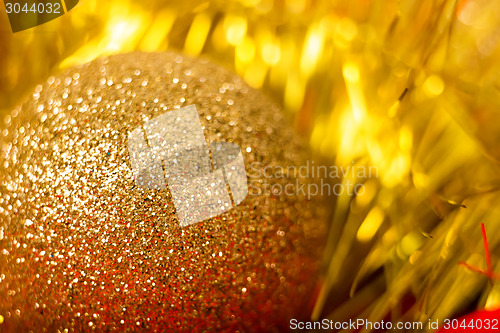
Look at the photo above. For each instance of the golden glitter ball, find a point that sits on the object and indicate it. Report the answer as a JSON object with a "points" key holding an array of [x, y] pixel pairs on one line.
{"points": [[82, 247]]}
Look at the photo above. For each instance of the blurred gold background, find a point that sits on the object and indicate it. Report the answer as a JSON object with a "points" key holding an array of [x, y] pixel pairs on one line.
{"points": [[410, 87]]}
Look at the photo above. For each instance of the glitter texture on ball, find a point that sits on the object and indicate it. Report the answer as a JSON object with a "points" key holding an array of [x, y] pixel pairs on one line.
{"points": [[82, 248]]}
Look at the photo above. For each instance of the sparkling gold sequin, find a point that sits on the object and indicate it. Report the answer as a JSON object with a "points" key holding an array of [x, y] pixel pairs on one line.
{"points": [[82, 247]]}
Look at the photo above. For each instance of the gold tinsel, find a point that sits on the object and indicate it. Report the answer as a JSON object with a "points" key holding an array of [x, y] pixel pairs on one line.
{"points": [[410, 87]]}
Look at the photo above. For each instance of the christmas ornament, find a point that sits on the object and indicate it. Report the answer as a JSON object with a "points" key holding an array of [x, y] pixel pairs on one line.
{"points": [[82, 247]]}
